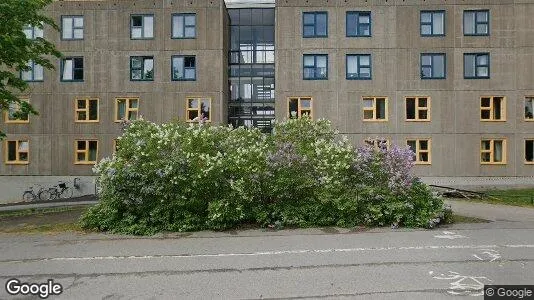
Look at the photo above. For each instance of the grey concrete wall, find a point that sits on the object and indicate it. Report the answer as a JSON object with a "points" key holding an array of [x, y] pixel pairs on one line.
{"points": [[395, 47], [106, 49]]}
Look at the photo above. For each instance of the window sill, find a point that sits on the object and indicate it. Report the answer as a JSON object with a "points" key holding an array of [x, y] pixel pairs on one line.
{"points": [[492, 164], [358, 78], [94, 121], [423, 163], [418, 121], [17, 122], [493, 121], [19, 163], [378, 121], [85, 163]]}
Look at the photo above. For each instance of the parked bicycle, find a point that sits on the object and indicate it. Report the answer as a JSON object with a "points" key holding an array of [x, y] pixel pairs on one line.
{"points": [[30, 195], [61, 191]]}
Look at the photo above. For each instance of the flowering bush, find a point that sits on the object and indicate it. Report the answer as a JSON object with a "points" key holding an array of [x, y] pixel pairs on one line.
{"points": [[182, 177]]}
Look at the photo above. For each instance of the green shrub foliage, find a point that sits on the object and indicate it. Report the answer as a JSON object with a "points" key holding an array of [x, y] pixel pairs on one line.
{"points": [[184, 177]]}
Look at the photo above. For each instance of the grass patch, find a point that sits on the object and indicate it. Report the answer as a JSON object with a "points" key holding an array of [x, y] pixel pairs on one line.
{"points": [[42, 220], [40, 211], [516, 197], [48, 228]]}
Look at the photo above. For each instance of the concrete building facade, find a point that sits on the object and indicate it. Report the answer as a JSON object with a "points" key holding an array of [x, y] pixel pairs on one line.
{"points": [[452, 79]]}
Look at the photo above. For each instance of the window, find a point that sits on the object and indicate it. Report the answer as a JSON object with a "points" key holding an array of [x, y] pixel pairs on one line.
{"points": [[315, 66], [432, 23], [375, 108], [14, 115], [126, 109], [492, 109], [299, 107], [142, 68], [315, 24], [358, 66], [433, 66], [72, 27], [476, 65], [493, 151], [17, 152], [33, 32], [86, 110], [377, 143], [184, 26], [529, 108], [115, 145], [34, 73], [358, 23], [141, 27], [476, 22], [184, 68], [529, 151], [417, 109], [72, 69], [86, 152], [421, 149], [198, 110]]}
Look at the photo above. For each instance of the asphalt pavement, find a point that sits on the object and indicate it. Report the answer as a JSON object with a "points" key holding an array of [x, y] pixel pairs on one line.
{"points": [[451, 262]]}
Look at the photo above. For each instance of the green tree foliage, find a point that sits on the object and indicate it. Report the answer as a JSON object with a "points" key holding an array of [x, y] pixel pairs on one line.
{"points": [[16, 50]]}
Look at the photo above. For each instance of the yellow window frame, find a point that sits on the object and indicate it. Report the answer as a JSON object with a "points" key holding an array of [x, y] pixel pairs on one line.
{"points": [[419, 151], [197, 109], [373, 109], [127, 109], [491, 109], [86, 110], [301, 110], [17, 161], [531, 98], [85, 151], [7, 120], [525, 144], [418, 108], [491, 152]]}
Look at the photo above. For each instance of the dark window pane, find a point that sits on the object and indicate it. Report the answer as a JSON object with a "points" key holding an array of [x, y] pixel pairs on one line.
{"points": [[12, 150], [410, 108], [529, 151], [93, 110], [137, 21], [78, 62], [78, 74]]}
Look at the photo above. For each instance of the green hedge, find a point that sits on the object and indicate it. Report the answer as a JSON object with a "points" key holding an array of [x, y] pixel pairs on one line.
{"points": [[184, 177]]}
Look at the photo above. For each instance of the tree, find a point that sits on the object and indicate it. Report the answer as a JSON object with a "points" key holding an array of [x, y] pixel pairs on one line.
{"points": [[16, 50]]}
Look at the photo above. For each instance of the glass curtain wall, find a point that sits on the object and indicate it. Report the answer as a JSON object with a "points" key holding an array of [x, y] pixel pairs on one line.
{"points": [[251, 68]]}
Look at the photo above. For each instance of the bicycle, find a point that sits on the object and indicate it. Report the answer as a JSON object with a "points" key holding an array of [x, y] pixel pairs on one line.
{"points": [[61, 191], [29, 195]]}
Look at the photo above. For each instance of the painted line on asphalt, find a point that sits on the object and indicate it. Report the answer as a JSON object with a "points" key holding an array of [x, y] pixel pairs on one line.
{"points": [[264, 253]]}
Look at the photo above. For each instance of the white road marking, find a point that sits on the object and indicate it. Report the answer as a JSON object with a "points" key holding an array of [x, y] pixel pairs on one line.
{"points": [[450, 235], [464, 285], [265, 253]]}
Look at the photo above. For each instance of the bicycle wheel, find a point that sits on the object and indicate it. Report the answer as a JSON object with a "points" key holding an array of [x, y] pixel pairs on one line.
{"points": [[66, 193], [45, 195], [28, 196], [53, 193]]}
